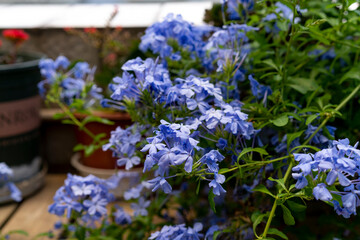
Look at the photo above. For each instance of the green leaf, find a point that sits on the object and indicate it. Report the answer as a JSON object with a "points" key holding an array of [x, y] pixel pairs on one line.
{"points": [[296, 207], [89, 119], [89, 149], [99, 136], [353, 73], [277, 232], [280, 121], [280, 182], [257, 218], [311, 118], [271, 63], [78, 147], [211, 200], [288, 218], [303, 85], [58, 116], [263, 189], [216, 234], [222, 170], [21, 232], [68, 121], [292, 136], [247, 150]]}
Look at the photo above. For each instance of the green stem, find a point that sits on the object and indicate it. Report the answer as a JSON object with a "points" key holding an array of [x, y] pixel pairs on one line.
{"points": [[288, 171], [342, 11], [75, 120], [255, 163]]}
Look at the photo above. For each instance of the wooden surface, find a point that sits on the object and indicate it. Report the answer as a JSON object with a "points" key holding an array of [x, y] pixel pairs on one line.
{"points": [[32, 216]]}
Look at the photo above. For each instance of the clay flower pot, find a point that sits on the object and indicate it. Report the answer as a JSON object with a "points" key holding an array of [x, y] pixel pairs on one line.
{"points": [[99, 158]]}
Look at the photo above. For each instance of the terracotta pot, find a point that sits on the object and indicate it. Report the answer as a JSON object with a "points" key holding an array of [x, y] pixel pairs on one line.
{"points": [[99, 158]]}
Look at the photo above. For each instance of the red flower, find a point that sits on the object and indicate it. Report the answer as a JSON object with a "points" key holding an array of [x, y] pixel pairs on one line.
{"points": [[68, 29], [90, 30], [16, 36]]}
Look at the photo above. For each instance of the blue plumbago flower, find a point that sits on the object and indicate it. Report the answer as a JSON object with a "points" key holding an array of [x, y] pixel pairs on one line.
{"points": [[178, 232], [96, 206], [215, 184], [80, 69], [258, 90], [321, 192], [211, 159], [77, 83], [140, 207], [340, 162], [160, 182], [222, 143], [234, 120], [194, 92], [178, 148], [5, 178], [61, 62], [187, 36], [210, 232], [121, 217], [238, 8], [122, 143], [227, 46], [282, 11], [87, 196], [134, 193], [139, 76]]}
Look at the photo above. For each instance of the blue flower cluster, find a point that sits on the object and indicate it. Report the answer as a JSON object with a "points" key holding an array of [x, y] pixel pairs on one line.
{"points": [[186, 35], [340, 162], [74, 83], [5, 179], [239, 8], [178, 232], [123, 145], [230, 119], [194, 92], [85, 197], [171, 146], [139, 76]]}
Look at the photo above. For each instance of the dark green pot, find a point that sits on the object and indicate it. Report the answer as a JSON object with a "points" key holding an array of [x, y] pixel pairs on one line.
{"points": [[19, 116]]}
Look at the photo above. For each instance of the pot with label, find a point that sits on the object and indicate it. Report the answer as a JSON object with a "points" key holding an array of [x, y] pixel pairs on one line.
{"points": [[20, 119]]}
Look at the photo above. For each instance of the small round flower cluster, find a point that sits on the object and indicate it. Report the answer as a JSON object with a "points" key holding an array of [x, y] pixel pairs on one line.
{"points": [[239, 8], [84, 197], [194, 92], [173, 27], [171, 146], [340, 162], [139, 76], [15, 36], [76, 83], [5, 175], [123, 145]]}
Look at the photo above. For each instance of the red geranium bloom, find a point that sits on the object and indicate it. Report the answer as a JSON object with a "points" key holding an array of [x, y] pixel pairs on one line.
{"points": [[16, 36], [90, 30]]}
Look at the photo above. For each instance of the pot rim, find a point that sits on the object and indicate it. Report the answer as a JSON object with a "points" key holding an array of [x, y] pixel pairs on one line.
{"points": [[111, 115], [35, 58]]}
